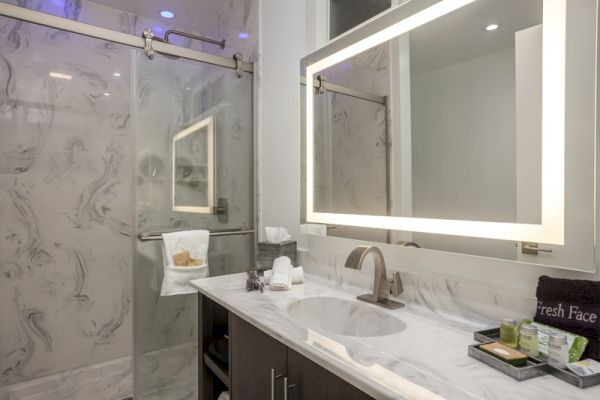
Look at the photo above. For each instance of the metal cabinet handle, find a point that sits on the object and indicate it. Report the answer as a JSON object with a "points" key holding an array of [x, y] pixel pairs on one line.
{"points": [[273, 378], [286, 387]]}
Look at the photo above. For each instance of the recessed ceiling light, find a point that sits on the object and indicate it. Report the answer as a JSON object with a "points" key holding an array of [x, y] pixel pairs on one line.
{"points": [[492, 27], [106, 94], [116, 74], [58, 75], [243, 35], [167, 14]]}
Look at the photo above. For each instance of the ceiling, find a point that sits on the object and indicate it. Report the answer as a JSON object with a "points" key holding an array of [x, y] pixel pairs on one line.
{"points": [[193, 15], [461, 35]]}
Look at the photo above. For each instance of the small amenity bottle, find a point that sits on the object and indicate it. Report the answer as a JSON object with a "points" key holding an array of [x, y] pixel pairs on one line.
{"points": [[528, 341], [509, 333], [558, 351]]}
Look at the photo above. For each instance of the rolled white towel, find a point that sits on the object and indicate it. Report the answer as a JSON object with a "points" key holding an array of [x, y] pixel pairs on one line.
{"points": [[297, 275], [223, 396], [281, 278]]}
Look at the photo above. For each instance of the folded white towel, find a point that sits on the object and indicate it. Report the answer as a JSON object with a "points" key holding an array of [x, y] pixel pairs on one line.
{"points": [[223, 396], [281, 278], [314, 229], [177, 279], [297, 275]]}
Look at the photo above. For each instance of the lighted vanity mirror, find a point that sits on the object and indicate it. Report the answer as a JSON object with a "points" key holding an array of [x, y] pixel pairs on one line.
{"points": [[193, 168], [443, 124]]}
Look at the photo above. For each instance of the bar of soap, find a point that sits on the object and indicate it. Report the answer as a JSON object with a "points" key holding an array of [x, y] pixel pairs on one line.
{"points": [[505, 353]]}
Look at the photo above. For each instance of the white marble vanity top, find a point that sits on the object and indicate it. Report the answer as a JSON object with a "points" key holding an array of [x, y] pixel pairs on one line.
{"points": [[427, 359]]}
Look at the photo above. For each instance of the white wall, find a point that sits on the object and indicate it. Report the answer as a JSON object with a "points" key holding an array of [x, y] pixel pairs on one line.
{"points": [[283, 34]]}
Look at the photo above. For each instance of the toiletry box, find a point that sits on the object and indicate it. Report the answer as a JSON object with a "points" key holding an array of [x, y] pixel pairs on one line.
{"points": [[268, 252]]}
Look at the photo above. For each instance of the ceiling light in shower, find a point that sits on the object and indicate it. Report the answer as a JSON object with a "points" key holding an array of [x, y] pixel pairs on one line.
{"points": [[243, 35], [116, 74], [58, 75], [492, 27], [106, 94], [167, 14]]}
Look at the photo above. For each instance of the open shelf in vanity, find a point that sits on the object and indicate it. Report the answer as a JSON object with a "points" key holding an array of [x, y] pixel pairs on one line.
{"points": [[213, 373]]}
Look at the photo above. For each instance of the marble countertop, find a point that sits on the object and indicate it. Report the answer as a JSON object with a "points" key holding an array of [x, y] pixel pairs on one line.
{"points": [[426, 360]]}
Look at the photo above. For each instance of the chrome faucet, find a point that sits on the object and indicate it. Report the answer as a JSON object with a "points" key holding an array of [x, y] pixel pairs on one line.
{"points": [[382, 287]]}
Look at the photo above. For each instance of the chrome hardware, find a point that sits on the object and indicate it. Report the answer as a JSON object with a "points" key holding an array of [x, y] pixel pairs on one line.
{"points": [[382, 287], [220, 43], [239, 58], [533, 248], [148, 236], [404, 243], [286, 387], [273, 378], [321, 84], [148, 36]]}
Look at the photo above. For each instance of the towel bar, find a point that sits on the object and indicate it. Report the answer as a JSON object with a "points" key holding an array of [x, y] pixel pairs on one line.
{"points": [[149, 236]]}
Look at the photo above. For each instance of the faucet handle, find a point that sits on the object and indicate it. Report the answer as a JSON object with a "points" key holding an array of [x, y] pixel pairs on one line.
{"points": [[396, 287]]}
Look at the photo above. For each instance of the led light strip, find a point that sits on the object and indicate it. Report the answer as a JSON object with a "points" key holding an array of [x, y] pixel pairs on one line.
{"points": [[551, 230], [209, 124]]}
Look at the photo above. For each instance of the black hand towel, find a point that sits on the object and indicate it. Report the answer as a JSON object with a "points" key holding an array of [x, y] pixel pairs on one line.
{"points": [[571, 305]]}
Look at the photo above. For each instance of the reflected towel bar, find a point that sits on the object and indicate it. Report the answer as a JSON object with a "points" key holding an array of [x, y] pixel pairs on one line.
{"points": [[149, 236]]}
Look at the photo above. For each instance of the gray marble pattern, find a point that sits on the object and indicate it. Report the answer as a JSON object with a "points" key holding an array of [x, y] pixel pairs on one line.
{"points": [[427, 359], [66, 205]]}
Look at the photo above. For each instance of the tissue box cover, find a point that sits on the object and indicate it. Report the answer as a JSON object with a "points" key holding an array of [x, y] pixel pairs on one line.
{"points": [[268, 252]]}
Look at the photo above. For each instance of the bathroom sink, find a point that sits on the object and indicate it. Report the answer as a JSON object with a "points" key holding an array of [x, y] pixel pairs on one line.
{"points": [[344, 317]]}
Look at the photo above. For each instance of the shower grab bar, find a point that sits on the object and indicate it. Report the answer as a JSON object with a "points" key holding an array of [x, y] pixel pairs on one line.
{"points": [[149, 236]]}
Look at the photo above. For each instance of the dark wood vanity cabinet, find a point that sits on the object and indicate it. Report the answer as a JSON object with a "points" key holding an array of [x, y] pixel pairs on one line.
{"points": [[254, 355], [312, 381]]}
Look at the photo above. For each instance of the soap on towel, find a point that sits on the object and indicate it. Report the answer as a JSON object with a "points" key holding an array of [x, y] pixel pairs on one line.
{"points": [[177, 278], [281, 278], [505, 353], [297, 275]]}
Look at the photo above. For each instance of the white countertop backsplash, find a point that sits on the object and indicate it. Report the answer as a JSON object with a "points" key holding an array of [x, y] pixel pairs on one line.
{"points": [[427, 360]]}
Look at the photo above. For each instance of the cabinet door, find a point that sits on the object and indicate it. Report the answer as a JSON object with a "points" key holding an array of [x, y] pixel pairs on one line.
{"points": [[312, 381], [253, 355]]}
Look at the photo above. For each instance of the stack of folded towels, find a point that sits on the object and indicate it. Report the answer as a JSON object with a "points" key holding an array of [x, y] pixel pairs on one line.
{"points": [[283, 274]]}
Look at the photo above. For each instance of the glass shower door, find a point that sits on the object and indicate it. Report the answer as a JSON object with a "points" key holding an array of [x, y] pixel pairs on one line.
{"points": [[194, 158]]}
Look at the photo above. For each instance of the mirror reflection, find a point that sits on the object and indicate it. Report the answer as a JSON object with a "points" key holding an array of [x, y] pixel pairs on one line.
{"points": [[446, 122], [193, 168]]}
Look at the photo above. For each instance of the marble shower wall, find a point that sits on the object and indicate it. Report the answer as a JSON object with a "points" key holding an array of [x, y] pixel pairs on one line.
{"points": [[65, 202], [66, 206]]}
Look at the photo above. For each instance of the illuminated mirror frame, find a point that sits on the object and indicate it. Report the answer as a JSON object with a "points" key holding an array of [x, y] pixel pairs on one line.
{"points": [[209, 123], [551, 229]]}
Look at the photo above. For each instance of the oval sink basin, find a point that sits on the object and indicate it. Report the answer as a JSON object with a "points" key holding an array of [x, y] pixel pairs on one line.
{"points": [[344, 317]]}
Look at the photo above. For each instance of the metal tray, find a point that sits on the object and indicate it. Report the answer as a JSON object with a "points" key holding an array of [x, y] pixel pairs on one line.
{"points": [[493, 335], [531, 370]]}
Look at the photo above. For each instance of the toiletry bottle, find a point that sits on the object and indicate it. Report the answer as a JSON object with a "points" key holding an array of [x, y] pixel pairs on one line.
{"points": [[509, 333], [528, 340], [558, 351]]}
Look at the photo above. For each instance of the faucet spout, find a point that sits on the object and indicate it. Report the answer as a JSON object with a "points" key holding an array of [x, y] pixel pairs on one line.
{"points": [[381, 285]]}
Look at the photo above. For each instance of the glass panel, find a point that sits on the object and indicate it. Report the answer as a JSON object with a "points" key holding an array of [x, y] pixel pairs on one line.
{"points": [[174, 96], [65, 202]]}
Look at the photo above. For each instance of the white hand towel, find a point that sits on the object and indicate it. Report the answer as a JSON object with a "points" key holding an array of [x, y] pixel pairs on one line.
{"points": [[177, 279], [297, 275], [314, 229], [281, 279], [223, 396]]}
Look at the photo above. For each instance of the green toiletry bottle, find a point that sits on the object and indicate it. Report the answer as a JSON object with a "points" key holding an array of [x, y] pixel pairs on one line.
{"points": [[509, 333]]}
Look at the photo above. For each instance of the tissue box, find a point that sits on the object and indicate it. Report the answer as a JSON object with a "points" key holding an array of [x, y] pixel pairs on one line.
{"points": [[268, 252]]}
